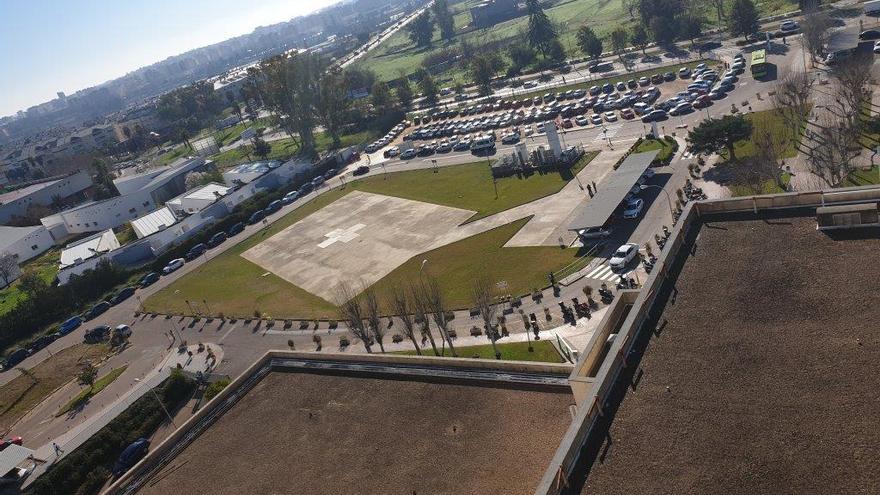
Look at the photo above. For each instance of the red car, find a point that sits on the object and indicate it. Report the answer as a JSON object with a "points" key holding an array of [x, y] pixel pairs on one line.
{"points": [[8, 442], [702, 101]]}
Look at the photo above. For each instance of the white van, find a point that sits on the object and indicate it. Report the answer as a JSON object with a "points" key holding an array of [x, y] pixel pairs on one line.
{"points": [[482, 143]]}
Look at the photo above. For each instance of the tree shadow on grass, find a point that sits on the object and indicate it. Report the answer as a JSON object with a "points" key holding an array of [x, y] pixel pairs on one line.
{"points": [[723, 173]]}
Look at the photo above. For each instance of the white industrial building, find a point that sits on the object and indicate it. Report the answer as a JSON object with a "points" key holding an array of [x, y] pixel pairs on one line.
{"points": [[16, 203], [86, 254], [22, 244], [197, 199]]}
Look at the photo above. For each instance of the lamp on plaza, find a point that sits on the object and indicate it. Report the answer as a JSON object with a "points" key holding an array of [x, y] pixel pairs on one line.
{"points": [[668, 198]]}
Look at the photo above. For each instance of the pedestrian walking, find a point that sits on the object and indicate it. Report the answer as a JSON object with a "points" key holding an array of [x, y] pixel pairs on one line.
{"points": [[594, 186], [58, 449]]}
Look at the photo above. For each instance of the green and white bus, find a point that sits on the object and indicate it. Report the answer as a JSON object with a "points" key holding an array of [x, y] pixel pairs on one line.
{"points": [[759, 64]]}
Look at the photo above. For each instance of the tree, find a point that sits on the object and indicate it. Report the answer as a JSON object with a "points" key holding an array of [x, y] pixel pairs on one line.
{"points": [[743, 19], [32, 284], [631, 6], [371, 309], [429, 88], [690, 27], [436, 303], [521, 55], [541, 32], [556, 53], [618, 41], [419, 297], [332, 104], [791, 99], [815, 26], [639, 38], [404, 93], [103, 179], [261, 148], [421, 29], [716, 135], [444, 19], [483, 69], [402, 307], [380, 96], [8, 268], [481, 295], [836, 145], [663, 30], [351, 310], [589, 43], [852, 78], [719, 9], [87, 375]]}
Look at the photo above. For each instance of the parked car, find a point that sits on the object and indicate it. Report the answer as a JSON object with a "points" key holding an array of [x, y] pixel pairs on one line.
{"points": [[633, 208], [644, 81], [684, 73], [869, 35], [256, 217], [235, 229], [16, 357], [122, 295], [216, 239], [595, 233], [97, 334], [789, 26], [623, 256], [290, 197], [654, 115], [130, 456], [195, 252], [149, 279], [173, 265], [408, 154], [9, 441], [877, 46], [96, 310], [70, 325], [273, 207], [363, 169]]}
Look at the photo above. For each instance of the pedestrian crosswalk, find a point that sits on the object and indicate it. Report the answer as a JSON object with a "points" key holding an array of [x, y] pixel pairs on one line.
{"points": [[611, 132], [603, 272]]}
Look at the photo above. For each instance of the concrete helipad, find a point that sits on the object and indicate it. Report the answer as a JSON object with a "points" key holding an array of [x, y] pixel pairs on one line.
{"points": [[360, 237]]}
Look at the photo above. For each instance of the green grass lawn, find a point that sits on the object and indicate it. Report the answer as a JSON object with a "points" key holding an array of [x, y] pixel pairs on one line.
{"points": [[768, 119], [398, 55], [237, 287], [470, 187], [863, 177], [283, 149], [45, 265], [84, 396], [542, 350], [456, 265], [663, 145], [769, 187]]}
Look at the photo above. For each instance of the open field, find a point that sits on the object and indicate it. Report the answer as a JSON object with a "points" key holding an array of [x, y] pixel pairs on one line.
{"points": [[863, 177], [392, 436], [542, 350], [470, 187], [237, 287], [23, 393], [456, 265], [759, 377], [84, 396], [398, 55]]}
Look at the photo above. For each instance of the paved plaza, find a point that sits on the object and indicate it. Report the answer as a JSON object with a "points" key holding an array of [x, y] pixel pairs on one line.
{"points": [[360, 238]]}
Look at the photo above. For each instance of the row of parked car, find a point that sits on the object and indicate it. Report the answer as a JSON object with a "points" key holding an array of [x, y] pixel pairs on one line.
{"points": [[387, 138]]}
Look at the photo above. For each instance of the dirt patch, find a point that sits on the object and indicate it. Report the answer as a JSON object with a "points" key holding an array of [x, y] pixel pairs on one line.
{"points": [[25, 391], [311, 433], [764, 377]]}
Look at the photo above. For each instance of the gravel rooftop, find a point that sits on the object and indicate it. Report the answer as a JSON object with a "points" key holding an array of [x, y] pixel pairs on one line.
{"points": [[298, 433], [763, 378]]}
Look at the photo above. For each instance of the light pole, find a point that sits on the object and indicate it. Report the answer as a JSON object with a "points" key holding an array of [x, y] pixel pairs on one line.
{"points": [[668, 198]]}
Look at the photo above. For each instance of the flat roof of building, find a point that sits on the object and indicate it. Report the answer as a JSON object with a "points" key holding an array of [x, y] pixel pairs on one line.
{"points": [[760, 374], [99, 243], [612, 191], [153, 222], [25, 191], [310, 432], [11, 235], [260, 167]]}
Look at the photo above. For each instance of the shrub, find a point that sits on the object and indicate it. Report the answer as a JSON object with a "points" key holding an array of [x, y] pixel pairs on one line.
{"points": [[215, 388]]}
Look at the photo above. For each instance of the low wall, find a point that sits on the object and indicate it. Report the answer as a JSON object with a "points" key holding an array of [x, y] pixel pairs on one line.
{"points": [[160, 455], [593, 406]]}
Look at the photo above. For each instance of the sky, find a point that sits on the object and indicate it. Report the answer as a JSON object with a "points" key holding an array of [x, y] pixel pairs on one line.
{"points": [[48, 46]]}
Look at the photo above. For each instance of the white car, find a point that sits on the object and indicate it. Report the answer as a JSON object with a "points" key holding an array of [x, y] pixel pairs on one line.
{"points": [[173, 265], [610, 117], [596, 119], [540, 127], [877, 46], [789, 26], [407, 154], [529, 131], [392, 151], [633, 208], [623, 256]]}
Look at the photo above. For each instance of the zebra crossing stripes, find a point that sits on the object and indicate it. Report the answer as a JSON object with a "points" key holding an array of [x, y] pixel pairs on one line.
{"points": [[603, 272]]}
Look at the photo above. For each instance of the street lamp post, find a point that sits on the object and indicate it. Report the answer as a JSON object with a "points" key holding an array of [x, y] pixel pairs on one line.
{"points": [[668, 198]]}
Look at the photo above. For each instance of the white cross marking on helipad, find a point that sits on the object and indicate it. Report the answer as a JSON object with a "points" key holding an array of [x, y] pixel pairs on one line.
{"points": [[341, 235]]}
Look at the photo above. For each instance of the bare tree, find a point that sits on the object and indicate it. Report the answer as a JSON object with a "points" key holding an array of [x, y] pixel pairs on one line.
{"points": [[481, 292], [719, 8], [836, 146], [815, 27], [851, 89], [437, 306], [400, 302], [770, 149], [791, 99], [374, 323], [8, 268], [419, 298], [351, 310]]}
